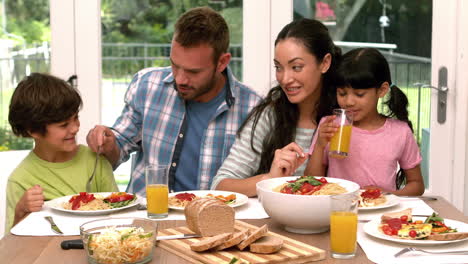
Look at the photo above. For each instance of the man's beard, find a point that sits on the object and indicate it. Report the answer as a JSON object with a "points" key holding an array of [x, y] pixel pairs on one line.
{"points": [[197, 92]]}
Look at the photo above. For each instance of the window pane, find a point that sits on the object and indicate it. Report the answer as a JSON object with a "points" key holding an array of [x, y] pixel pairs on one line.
{"points": [[401, 30], [24, 48], [137, 34]]}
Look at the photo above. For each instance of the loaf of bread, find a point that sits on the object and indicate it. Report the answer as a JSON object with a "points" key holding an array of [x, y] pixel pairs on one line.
{"points": [[210, 242], [209, 217], [266, 245]]}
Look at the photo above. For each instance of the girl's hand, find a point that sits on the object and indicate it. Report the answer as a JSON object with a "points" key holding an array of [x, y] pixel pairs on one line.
{"points": [[287, 160], [31, 201], [326, 131]]}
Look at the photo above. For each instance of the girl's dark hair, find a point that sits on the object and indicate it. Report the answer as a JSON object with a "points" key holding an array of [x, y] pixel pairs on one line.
{"points": [[316, 39], [367, 68], [41, 99]]}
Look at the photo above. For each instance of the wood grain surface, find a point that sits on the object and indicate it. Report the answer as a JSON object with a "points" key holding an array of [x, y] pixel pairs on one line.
{"points": [[293, 251]]}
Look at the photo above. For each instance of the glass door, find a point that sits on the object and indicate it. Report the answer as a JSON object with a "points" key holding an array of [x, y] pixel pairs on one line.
{"points": [[420, 39], [24, 48]]}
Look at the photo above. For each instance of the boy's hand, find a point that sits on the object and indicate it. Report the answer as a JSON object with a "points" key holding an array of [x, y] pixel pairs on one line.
{"points": [[287, 160], [32, 200], [326, 131]]}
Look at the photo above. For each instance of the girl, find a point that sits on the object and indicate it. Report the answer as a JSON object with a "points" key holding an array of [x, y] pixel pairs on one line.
{"points": [[379, 143], [305, 59]]}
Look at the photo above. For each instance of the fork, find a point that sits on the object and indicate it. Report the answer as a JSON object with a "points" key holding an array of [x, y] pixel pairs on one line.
{"points": [[90, 180], [409, 249]]}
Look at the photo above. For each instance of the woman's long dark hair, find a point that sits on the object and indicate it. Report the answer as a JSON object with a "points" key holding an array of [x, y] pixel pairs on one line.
{"points": [[367, 68], [316, 39]]}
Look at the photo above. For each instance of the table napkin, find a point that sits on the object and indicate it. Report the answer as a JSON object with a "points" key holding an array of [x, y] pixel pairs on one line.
{"points": [[35, 224], [382, 251]]}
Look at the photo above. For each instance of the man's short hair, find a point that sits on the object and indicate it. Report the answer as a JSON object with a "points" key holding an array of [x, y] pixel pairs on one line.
{"points": [[203, 25], [39, 100]]}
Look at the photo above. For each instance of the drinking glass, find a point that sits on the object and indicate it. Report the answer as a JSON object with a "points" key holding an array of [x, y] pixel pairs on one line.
{"points": [[157, 191], [343, 225], [339, 143]]}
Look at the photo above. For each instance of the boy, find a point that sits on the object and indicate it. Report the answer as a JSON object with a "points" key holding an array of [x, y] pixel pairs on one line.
{"points": [[46, 108]]}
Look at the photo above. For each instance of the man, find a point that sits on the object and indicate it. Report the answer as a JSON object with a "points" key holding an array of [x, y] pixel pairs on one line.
{"points": [[186, 115]]}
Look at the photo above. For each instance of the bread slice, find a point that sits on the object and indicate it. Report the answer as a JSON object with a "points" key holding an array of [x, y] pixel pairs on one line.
{"points": [[210, 242], [209, 217], [266, 245], [448, 236], [387, 216], [235, 239], [256, 234]]}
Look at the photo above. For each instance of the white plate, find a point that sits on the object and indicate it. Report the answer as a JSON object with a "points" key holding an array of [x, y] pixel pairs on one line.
{"points": [[241, 199], [392, 200], [57, 204], [372, 228]]}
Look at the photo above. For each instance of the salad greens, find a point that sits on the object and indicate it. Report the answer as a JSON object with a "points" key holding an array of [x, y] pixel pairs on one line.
{"points": [[296, 185]]}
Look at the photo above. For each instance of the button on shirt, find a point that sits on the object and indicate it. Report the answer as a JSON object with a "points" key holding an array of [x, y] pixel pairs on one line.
{"points": [[153, 123], [198, 116]]}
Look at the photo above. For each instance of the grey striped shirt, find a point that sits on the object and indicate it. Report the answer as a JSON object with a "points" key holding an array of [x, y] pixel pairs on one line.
{"points": [[243, 162]]}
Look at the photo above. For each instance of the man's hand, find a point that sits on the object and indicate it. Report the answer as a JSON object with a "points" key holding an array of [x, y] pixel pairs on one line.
{"points": [[104, 137], [287, 160]]}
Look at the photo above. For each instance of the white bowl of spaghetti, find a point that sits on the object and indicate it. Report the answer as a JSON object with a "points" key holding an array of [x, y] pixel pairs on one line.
{"points": [[302, 209]]}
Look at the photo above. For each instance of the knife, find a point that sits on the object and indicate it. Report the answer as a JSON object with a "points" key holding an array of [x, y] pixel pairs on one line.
{"points": [[180, 236], [53, 226], [78, 243]]}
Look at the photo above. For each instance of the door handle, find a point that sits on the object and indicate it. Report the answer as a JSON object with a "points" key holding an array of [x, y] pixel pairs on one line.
{"points": [[442, 91]]}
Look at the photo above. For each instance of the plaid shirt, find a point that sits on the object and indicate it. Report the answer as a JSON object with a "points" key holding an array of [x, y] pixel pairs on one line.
{"points": [[153, 124]]}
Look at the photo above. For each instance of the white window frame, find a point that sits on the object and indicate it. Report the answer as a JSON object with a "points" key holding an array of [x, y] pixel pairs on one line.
{"points": [[76, 50]]}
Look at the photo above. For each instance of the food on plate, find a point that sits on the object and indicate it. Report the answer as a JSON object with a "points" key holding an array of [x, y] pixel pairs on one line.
{"points": [[371, 198], [228, 199], [254, 235], [401, 225], [398, 214], [235, 239], [209, 217], [266, 245], [182, 199], [85, 202], [211, 242], [309, 185], [126, 245], [91, 202]]}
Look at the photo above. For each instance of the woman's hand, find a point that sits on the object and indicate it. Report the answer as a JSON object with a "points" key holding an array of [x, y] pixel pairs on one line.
{"points": [[287, 160], [326, 131]]}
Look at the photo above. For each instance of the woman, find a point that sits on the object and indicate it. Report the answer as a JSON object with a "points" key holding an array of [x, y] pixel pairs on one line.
{"points": [[272, 140]]}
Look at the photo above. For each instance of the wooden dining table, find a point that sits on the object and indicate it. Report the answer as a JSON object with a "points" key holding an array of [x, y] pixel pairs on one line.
{"points": [[46, 249]]}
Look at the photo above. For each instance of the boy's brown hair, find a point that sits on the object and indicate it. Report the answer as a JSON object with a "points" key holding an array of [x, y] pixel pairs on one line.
{"points": [[203, 25], [39, 100]]}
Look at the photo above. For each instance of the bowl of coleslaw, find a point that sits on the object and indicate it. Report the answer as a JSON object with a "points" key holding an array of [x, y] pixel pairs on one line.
{"points": [[119, 240], [302, 203]]}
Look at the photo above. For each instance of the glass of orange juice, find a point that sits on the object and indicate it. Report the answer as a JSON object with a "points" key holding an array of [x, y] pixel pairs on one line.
{"points": [[339, 143], [157, 191], [343, 225]]}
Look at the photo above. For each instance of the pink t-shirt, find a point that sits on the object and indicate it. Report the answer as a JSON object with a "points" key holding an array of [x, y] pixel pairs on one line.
{"points": [[374, 155]]}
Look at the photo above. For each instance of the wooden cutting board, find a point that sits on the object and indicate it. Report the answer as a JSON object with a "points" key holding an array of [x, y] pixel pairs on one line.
{"points": [[293, 251]]}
